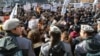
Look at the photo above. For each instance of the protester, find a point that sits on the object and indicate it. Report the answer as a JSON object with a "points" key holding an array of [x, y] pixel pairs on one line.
{"points": [[55, 47], [37, 22], [34, 36]]}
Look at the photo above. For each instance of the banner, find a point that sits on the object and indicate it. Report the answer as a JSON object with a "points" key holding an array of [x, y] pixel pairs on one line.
{"points": [[77, 5], [46, 6], [7, 10], [86, 5], [34, 4], [54, 9]]}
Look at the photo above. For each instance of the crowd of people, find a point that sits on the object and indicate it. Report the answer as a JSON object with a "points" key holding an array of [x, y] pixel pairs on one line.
{"points": [[47, 33]]}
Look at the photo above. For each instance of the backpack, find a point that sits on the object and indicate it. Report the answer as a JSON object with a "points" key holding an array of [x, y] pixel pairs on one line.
{"points": [[9, 47], [58, 50]]}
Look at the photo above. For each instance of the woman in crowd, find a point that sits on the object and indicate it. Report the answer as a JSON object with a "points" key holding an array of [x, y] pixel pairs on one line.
{"points": [[34, 36]]}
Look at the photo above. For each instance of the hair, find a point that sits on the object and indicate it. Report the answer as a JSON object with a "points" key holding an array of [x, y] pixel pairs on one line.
{"points": [[76, 17], [66, 35], [55, 35], [89, 33], [34, 36]]}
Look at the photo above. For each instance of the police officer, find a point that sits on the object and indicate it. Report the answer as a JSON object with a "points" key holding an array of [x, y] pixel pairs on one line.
{"points": [[86, 33], [13, 28]]}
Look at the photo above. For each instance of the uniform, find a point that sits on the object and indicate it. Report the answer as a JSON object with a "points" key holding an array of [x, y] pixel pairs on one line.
{"points": [[24, 44], [89, 45]]}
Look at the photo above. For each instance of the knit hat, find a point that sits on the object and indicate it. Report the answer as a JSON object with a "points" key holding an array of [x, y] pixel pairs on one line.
{"points": [[11, 24]]}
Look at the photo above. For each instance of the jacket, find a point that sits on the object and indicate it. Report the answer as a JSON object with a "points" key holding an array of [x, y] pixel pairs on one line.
{"points": [[45, 49], [90, 45], [24, 44]]}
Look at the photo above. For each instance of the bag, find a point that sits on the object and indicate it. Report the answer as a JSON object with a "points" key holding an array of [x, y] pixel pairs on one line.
{"points": [[9, 47], [58, 50]]}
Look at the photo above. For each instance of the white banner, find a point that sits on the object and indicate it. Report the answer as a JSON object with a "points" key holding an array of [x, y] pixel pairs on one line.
{"points": [[77, 5], [34, 4], [87, 5], [7, 10], [46, 6], [54, 9]]}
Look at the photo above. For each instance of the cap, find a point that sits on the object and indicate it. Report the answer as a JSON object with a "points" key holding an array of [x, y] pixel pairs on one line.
{"points": [[11, 24], [54, 29], [87, 28]]}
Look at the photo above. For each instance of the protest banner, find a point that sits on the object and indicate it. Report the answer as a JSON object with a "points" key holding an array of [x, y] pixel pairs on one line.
{"points": [[34, 4], [7, 9], [54, 9], [86, 5], [77, 5], [46, 6]]}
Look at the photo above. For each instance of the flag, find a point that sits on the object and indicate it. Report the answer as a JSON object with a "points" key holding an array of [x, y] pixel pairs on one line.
{"points": [[14, 11], [95, 2], [66, 2], [81, 4], [27, 7], [63, 11]]}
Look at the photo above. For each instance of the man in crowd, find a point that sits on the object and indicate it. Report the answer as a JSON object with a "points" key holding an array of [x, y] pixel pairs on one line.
{"points": [[90, 46], [13, 28]]}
